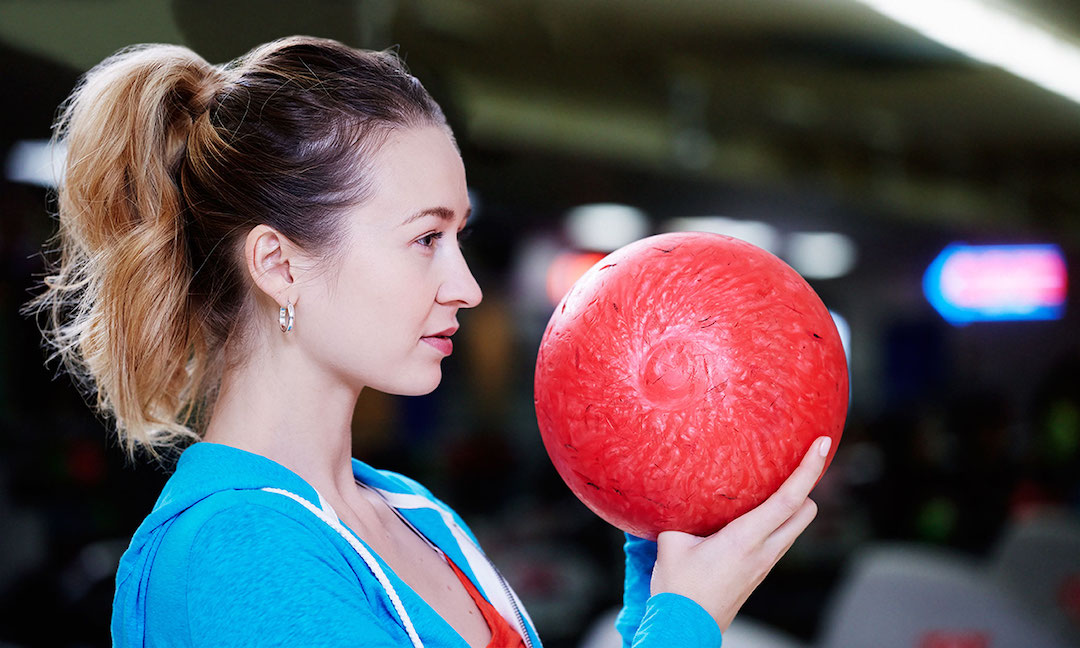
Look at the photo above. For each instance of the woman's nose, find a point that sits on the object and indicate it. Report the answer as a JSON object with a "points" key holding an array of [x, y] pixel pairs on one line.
{"points": [[460, 286]]}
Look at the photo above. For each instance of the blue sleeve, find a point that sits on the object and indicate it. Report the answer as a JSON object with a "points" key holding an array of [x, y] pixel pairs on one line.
{"points": [[663, 620], [255, 576], [640, 557]]}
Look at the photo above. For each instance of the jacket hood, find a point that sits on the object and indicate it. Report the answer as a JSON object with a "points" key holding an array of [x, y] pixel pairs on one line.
{"points": [[202, 470]]}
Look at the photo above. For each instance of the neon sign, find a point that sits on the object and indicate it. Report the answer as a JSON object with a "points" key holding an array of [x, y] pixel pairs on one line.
{"points": [[974, 283]]}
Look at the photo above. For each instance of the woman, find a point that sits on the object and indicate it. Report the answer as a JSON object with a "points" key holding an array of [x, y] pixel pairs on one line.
{"points": [[244, 249]]}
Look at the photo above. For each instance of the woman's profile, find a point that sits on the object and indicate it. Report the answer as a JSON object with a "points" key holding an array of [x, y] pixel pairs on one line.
{"points": [[242, 249]]}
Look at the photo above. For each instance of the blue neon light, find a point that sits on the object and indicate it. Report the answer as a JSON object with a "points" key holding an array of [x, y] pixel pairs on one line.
{"points": [[977, 283]]}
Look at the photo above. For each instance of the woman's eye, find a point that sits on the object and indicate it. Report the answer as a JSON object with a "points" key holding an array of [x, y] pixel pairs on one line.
{"points": [[428, 240]]}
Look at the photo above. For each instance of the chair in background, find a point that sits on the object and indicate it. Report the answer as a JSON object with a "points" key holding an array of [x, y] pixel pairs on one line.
{"points": [[745, 632], [742, 633], [601, 632], [910, 596], [1038, 561]]}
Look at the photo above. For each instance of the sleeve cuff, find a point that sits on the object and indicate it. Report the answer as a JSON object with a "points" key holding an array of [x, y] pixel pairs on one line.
{"points": [[675, 620]]}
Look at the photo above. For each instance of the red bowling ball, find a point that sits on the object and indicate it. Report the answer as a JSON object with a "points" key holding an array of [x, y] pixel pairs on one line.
{"points": [[682, 379]]}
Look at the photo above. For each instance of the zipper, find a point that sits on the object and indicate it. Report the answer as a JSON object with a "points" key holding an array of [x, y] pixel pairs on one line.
{"points": [[513, 602], [502, 580]]}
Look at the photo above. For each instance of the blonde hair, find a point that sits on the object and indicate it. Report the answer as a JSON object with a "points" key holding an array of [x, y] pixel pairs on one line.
{"points": [[171, 161]]}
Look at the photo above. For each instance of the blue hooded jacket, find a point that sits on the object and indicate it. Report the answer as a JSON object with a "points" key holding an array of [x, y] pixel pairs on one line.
{"points": [[222, 562]]}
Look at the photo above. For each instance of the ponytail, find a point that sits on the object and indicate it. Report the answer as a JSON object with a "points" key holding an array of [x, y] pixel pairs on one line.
{"points": [[117, 305]]}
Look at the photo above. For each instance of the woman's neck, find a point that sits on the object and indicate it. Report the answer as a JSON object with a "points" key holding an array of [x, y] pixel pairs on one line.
{"points": [[291, 414]]}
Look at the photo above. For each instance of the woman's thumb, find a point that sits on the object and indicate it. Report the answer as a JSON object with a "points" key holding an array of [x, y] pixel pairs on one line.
{"points": [[675, 541]]}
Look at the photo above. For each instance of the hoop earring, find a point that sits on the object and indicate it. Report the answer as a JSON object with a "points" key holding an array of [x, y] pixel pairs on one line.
{"points": [[286, 316]]}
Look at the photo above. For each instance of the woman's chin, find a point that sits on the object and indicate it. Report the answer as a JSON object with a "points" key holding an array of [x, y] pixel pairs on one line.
{"points": [[420, 386]]}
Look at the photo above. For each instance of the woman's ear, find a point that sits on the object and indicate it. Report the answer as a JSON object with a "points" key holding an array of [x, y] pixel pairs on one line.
{"points": [[271, 260]]}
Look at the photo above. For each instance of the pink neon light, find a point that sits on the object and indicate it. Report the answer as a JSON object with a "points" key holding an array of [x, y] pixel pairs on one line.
{"points": [[1001, 277]]}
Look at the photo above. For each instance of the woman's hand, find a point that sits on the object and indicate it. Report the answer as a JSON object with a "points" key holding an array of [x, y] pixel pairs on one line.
{"points": [[720, 571]]}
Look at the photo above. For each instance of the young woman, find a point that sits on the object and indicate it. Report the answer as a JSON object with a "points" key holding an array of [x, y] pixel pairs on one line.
{"points": [[243, 249]]}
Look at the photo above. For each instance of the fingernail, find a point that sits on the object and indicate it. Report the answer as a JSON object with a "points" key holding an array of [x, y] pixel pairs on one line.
{"points": [[823, 449]]}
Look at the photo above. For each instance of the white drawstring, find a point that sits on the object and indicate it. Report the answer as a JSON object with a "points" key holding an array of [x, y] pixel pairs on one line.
{"points": [[366, 555]]}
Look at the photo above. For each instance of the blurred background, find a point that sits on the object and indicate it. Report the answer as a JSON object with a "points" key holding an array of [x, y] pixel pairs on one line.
{"points": [[918, 163]]}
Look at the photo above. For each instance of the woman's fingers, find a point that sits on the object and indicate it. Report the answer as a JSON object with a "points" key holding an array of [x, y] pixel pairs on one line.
{"points": [[782, 539], [789, 499], [720, 572]]}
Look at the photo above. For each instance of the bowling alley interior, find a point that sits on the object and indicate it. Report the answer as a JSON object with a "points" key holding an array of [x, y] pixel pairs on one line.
{"points": [[917, 164]]}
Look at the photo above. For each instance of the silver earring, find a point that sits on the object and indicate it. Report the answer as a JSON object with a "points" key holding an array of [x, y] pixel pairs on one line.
{"points": [[286, 317]]}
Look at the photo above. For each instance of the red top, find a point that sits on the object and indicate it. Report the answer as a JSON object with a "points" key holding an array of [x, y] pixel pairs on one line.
{"points": [[502, 634]]}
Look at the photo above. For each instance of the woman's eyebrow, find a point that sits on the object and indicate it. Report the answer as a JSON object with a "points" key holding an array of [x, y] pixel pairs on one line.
{"points": [[444, 213]]}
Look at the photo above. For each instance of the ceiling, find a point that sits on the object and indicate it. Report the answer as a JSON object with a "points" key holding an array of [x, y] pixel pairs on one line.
{"points": [[826, 99]]}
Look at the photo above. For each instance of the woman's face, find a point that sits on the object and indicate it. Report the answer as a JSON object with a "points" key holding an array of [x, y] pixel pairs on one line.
{"points": [[386, 319]]}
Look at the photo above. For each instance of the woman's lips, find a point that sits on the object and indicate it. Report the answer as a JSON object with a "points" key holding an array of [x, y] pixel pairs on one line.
{"points": [[442, 343]]}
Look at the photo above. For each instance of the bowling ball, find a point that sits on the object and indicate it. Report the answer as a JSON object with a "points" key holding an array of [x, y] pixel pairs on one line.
{"points": [[682, 379]]}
